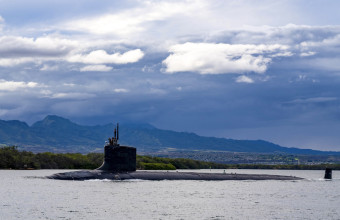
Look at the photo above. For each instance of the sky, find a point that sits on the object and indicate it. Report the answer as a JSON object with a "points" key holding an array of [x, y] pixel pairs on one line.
{"points": [[240, 69]]}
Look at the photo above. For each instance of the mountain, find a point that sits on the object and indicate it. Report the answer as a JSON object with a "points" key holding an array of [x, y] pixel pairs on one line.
{"points": [[57, 134]]}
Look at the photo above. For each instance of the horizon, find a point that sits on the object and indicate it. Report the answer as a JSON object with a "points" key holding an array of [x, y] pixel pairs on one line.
{"points": [[233, 69]]}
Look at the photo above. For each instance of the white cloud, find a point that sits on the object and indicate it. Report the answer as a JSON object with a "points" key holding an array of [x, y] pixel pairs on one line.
{"points": [[121, 90], [168, 19], [46, 92], [102, 57], [307, 54], [244, 79], [96, 68], [72, 95], [15, 85], [8, 62], [283, 54], [209, 58], [16, 50], [69, 84], [158, 24], [16, 46], [133, 20], [46, 67]]}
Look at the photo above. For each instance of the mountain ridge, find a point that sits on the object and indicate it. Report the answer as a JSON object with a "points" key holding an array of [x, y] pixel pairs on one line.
{"points": [[57, 134]]}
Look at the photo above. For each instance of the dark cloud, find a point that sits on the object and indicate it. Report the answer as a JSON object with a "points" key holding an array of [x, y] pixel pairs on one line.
{"points": [[206, 104]]}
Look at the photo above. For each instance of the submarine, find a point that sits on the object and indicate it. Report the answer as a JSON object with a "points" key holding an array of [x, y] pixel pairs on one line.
{"points": [[120, 164]]}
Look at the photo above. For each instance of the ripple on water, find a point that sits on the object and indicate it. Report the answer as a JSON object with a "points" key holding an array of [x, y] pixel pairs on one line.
{"points": [[39, 198]]}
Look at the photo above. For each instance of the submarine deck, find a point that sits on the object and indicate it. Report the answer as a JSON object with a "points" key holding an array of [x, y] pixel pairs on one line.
{"points": [[154, 175]]}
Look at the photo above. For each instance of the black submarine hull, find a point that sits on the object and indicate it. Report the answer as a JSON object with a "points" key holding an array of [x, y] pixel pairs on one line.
{"points": [[157, 175]]}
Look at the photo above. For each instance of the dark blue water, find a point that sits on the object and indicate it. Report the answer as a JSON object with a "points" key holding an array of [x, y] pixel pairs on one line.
{"points": [[23, 196]]}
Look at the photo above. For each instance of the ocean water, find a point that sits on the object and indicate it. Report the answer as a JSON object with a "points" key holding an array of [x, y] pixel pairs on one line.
{"points": [[24, 195]]}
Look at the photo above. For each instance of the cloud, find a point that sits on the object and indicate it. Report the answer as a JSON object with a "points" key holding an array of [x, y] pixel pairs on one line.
{"points": [[244, 79], [307, 54], [8, 62], [69, 84], [72, 95], [169, 20], [16, 50], [16, 85], [46, 67], [121, 90], [325, 63], [102, 57], [16, 46], [133, 20], [211, 58], [61, 41], [1, 22], [314, 100], [96, 68]]}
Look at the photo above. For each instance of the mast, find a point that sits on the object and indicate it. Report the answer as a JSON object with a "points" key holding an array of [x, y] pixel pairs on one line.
{"points": [[117, 132]]}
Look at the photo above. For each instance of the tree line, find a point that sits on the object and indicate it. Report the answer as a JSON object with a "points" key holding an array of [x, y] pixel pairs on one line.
{"points": [[12, 158]]}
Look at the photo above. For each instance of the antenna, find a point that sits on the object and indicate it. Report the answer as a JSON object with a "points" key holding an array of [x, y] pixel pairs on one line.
{"points": [[115, 134], [117, 131]]}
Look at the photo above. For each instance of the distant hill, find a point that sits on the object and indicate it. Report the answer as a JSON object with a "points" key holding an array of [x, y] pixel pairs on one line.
{"points": [[57, 134]]}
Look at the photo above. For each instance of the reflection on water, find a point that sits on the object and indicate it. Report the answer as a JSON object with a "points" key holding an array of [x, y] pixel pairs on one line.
{"points": [[24, 196]]}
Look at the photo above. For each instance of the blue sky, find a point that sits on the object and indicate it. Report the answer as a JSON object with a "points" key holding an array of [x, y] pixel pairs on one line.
{"points": [[244, 69]]}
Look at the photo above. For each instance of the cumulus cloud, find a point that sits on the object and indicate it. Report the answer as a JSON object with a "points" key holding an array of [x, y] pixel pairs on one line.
{"points": [[96, 68], [244, 79], [15, 50], [102, 57], [16, 85], [134, 19], [186, 17], [17, 46], [313, 47], [224, 40], [211, 58]]}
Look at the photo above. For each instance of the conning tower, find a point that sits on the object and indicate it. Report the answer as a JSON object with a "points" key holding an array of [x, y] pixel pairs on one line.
{"points": [[118, 158]]}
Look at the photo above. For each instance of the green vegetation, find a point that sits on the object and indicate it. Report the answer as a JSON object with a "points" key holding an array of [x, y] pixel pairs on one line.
{"points": [[284, 166], [179, 163], [157, 166], [182, 163], [12, 158]]}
